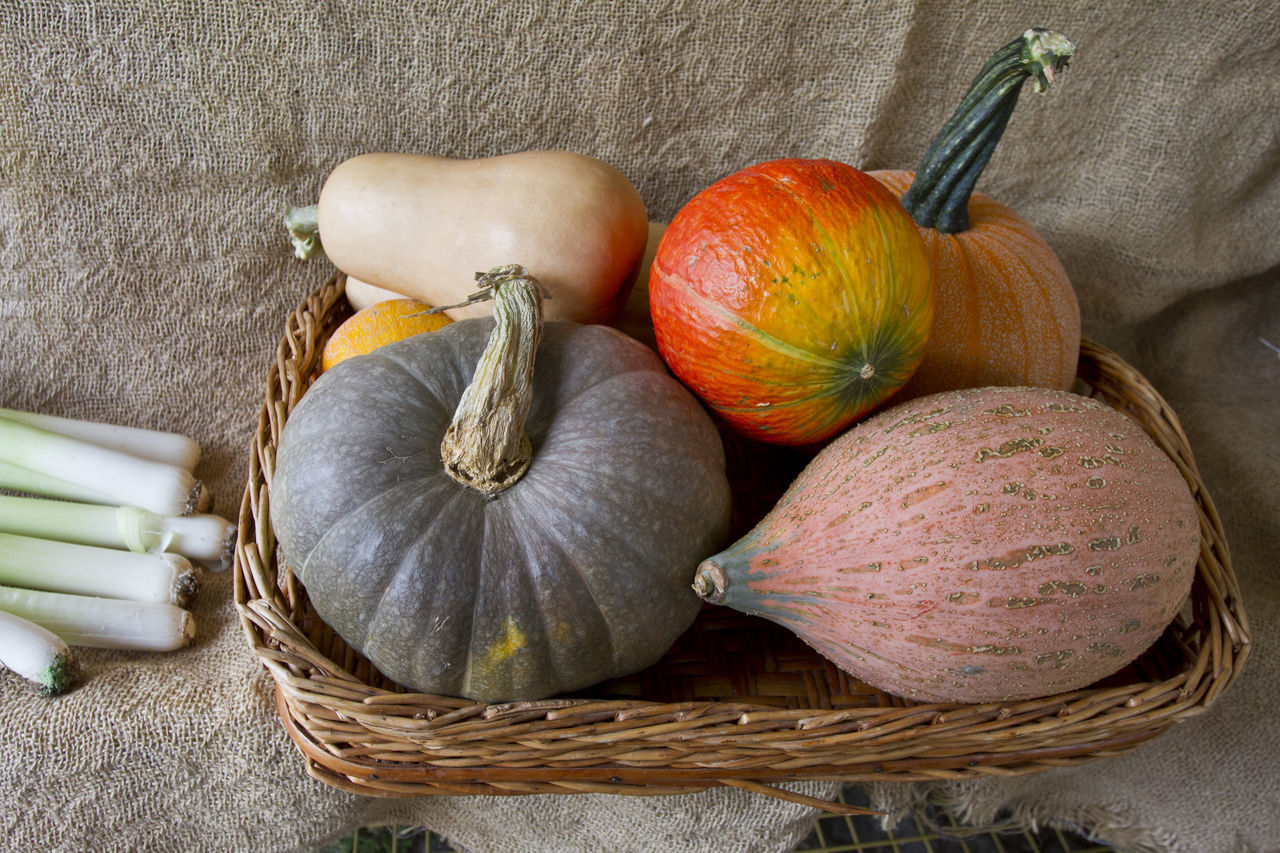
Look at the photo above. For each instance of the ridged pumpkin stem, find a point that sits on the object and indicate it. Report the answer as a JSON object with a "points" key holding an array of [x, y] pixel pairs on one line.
{"points": [[939, 196], [485, 446]]}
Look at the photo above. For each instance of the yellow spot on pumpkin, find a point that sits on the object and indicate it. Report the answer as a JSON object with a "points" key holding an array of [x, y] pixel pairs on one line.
{"points": [[512, 641]]}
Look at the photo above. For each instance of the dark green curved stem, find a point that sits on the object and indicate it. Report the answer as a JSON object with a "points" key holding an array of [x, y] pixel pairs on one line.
{"points": [[939, 196]]}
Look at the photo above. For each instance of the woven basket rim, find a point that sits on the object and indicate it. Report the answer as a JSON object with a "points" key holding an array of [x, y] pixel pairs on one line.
{"points": [[358, 734]]}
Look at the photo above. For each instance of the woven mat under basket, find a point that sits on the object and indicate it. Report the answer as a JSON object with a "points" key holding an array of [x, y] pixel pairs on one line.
{"points": [[737, 701]]}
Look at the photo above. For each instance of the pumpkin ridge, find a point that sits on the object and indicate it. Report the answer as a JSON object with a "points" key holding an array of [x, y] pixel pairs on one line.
{"points": [[834, 367], [973, 326], [646, 494], [475, 610], [885, 285], [581, 393], [1003, 249], [391, 354], [890, 259], [657, 383], [318, 545], [546, 537], [828, 239], [807, 399], [544, 619], [824, 391], [407, 563], [544, 643], [1009, 246]]}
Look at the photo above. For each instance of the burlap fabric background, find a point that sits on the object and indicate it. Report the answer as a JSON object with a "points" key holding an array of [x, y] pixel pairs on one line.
{"points": [[149, 149]]}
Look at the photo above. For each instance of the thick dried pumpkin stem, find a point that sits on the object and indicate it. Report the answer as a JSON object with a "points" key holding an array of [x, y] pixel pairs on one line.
{"points": [[939, 195], [485, 446]]}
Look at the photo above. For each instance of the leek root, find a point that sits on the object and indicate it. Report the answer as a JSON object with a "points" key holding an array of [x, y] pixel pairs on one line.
{"points": [[37, 654]]}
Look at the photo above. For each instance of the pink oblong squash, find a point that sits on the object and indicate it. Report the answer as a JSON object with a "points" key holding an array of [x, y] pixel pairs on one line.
{"points": [[979, 545]]}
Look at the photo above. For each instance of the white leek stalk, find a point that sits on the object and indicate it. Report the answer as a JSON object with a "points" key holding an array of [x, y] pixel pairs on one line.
{"points": [[37, 654], [103, 623], [129, 480], [170, 448], [88, 524], [207, 538], [19, 479], [89, 570]]}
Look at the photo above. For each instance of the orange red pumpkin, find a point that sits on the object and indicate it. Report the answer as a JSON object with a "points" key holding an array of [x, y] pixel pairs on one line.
{"points": [[792, 297]]}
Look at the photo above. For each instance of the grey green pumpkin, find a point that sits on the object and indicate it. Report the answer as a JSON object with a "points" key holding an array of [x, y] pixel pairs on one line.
{"points": [[573, 569]]}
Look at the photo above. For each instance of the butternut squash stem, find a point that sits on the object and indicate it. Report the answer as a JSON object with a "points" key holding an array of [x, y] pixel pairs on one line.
{"points": [[485, 446], [303, 224], [939, 196]]}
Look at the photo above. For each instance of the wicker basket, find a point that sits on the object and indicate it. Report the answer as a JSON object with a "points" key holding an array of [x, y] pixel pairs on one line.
{"points": [[738, 701]]}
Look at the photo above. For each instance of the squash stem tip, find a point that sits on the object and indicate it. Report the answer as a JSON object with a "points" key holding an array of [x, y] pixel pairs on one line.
{"points": [[939, 195], [1047, 53], [303, 224], [711, 583]]}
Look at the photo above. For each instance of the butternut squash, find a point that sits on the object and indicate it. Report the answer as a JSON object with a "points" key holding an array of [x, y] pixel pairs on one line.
{"points": [[422, 227]]}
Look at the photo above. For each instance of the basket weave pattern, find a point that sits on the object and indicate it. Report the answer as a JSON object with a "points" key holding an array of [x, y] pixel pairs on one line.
{"points": [[737, 701]]}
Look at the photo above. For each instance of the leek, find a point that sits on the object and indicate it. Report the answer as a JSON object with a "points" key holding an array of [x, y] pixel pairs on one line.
{"points": [[129, 480], [207, 538], [88, 524], [104, 623], [37, 654], [26, 561], [170, 448], [19, 479]]}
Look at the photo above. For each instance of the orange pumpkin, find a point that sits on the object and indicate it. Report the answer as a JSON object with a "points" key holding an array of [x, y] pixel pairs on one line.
{"points": [[1005, 311]]}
